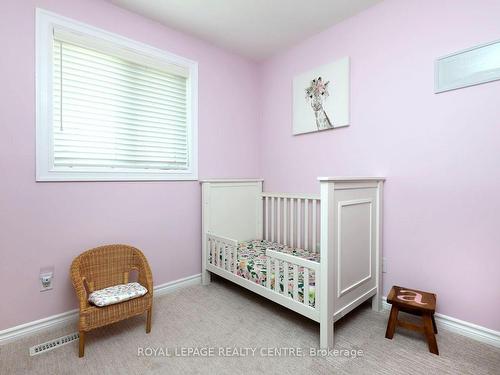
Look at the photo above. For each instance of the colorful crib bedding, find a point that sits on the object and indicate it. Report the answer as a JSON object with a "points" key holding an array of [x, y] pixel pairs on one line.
{"points": [[252, 264]]}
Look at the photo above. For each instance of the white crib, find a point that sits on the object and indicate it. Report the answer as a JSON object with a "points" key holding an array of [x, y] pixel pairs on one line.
{"points": [[343, 224]]}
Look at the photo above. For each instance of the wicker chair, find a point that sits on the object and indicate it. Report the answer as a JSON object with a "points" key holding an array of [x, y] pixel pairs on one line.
{"points": [[103, 267]]}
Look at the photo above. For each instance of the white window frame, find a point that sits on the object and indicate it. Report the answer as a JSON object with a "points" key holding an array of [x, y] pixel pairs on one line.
{"points": [[45, 171]]}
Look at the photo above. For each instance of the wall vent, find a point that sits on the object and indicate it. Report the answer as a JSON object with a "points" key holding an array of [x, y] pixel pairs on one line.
{"points": [[53, 344]]}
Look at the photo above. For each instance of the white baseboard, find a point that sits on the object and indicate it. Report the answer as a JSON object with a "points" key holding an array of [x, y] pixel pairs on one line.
{"points": [[160, 290], [11, 334], [473, 331]]}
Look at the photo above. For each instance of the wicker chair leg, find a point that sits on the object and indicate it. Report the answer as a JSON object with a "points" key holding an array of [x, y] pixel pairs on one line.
{"points": [[148, 321], [81, 350]]}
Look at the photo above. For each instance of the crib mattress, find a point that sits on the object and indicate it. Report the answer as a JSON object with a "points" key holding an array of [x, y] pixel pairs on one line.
{"points": [[252, 264]]}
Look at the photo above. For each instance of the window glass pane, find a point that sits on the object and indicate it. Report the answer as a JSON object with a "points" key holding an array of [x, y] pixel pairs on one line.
{"points": [[110, 113]]}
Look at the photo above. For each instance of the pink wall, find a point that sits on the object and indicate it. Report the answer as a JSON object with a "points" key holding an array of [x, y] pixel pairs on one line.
{"points": [[440, 153], [50, 223]]}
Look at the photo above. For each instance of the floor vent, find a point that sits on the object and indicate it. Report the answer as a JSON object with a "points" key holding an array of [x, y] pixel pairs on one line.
{"points": [[53, 344]]}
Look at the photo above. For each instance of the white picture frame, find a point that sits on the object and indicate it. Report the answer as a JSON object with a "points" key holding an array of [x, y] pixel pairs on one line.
{"points": [[321, 97], [469, 67]]}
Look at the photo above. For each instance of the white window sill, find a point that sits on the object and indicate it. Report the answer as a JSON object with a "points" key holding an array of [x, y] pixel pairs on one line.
{"points": [[114, 176]]}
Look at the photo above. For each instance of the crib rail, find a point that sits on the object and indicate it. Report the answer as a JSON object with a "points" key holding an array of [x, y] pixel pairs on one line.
{"points": [[306, 263], [222, 252], [296, 262], [222, 259], [292, 219]]}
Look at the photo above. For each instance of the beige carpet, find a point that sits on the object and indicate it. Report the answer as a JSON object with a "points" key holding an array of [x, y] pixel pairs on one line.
{"points": [[224, 315]]}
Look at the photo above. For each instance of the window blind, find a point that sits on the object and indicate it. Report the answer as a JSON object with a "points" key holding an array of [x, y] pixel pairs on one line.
{"points": [[110, 112]]}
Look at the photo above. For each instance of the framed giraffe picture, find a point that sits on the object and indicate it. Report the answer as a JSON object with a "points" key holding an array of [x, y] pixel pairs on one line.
{"points": [[321, 98]]}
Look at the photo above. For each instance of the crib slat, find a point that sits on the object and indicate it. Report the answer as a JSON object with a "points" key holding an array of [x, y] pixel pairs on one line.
{"points": [[228, 253], [268, 272], [285, 221], [214, 253], [277, 276], [216, 249], [306, 224], [278, 216], [210, 252], [295, 283], [266, 219], [235, 260], [292, 210], [224, 265], [219, 258], [272, 219], [285, 278], [306, 286], [314, 230], [299, 225], [316, 290]]}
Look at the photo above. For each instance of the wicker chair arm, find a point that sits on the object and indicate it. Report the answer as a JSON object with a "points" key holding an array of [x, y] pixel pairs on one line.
{"points": [[78, 284], [145, 276]]}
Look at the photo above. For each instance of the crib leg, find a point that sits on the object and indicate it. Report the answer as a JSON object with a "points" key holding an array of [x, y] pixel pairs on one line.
{"points": [[205, 277], [377, 302], [326, 335]]}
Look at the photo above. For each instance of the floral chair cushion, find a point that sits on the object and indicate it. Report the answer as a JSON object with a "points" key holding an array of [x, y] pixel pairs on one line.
{"points": [[116, 294]]}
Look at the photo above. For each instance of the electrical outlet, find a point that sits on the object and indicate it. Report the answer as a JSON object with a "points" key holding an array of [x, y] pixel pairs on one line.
{"points": [[46, 281], [384, 265]]}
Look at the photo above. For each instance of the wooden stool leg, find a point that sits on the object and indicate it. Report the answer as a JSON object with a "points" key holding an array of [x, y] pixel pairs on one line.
{"points": [[392, 323], [429, 333], [81, 348], [148, 321], [434, 324]]}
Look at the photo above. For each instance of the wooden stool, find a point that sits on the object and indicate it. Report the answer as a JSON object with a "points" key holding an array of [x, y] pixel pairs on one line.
{"points": [[413, 302]]}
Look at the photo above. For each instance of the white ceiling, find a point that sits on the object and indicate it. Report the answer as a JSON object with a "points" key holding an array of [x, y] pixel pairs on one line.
{"points": [[252, 28]]}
